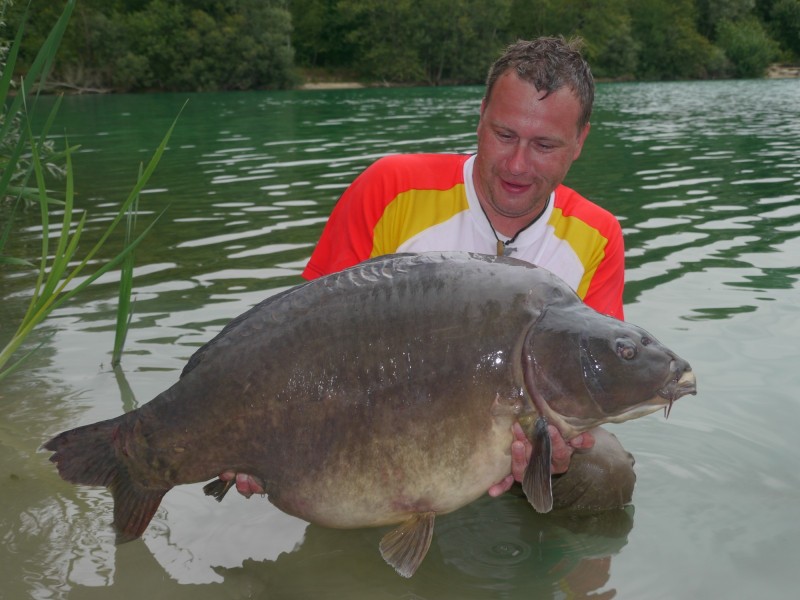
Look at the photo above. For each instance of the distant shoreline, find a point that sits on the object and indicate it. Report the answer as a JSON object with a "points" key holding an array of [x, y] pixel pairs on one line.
{"points": [[332, 85], [783, 71], [775, 71]]}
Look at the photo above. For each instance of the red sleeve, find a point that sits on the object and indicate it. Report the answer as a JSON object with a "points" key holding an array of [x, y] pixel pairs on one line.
{"points": [[603, 254], [605, 291], [347, 237]]}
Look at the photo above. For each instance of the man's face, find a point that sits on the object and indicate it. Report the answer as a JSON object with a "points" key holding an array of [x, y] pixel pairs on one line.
{"points": [[526, 145]]}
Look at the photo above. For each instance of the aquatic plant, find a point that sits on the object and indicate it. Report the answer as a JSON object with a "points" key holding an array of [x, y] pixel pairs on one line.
{"points": [[15, 165], [58, 268], [124, 306], [55, 275]]}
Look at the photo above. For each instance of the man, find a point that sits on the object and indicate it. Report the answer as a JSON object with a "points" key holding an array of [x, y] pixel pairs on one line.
{"points": [[506, 199]]}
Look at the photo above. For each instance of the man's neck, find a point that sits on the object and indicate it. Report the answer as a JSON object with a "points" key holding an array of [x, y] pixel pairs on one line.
{"points": [[510, 227]]}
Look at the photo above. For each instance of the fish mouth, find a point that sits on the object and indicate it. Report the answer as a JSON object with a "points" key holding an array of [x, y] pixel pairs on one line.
{"points": [[682, 384]]}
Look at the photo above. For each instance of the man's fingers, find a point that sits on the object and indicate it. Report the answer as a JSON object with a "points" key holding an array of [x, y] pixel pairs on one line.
{"points": [[519, 434], [520, 455], [501, 487], [521, 450], [562, 451], [583, 441]]}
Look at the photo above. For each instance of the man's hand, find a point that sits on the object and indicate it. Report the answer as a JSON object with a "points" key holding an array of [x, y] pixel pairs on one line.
{"points": [[521, 454]]}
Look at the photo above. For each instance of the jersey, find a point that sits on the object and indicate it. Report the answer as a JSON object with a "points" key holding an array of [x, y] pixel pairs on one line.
{"points": [[428, 202]]}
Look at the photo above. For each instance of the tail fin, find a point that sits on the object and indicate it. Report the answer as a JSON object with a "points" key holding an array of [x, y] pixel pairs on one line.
{"points": [[87, 456]]}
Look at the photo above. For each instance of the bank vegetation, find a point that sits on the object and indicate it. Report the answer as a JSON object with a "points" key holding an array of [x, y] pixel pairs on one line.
{"points": [[188, 45]]}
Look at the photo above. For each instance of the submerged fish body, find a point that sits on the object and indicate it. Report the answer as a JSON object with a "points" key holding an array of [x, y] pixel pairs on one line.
{"points": [[382, 394]]}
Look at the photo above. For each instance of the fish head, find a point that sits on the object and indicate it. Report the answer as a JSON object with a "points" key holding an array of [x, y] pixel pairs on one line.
{"points": [[583, 369]]}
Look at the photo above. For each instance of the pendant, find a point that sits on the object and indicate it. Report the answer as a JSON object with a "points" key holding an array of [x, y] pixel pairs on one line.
{"points": [[501, 248]]}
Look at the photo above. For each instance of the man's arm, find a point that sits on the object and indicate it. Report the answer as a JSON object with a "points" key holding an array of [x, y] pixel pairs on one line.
{"points": [[346, 239], [608, 281]]}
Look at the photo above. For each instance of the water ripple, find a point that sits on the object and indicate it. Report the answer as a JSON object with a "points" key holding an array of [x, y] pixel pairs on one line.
{"points": [[704, 178]]}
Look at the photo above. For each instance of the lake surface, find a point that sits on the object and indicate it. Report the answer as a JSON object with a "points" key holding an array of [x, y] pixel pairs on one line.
{"points": [[705, 178]]}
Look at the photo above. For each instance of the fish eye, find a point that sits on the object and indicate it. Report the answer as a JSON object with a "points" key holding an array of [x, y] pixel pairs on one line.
{"points": [[626, 349]]}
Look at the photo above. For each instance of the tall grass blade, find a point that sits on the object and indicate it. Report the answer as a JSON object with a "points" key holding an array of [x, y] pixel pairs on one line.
{"points": [[124, 306]]}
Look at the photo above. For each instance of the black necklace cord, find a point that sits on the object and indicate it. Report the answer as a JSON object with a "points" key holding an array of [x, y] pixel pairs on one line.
{"points": [[501, 245]]}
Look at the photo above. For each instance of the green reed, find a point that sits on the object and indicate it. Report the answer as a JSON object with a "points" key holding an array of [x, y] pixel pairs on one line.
{"points": [[56, 280], [61, 272], [124, 306], [15, 167]]}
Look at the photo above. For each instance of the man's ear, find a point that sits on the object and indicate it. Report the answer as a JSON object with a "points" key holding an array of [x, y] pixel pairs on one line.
{"points": [[582, 135]]}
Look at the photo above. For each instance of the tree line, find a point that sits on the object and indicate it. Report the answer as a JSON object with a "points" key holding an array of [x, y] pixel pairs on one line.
{"points": [[186, 45]]}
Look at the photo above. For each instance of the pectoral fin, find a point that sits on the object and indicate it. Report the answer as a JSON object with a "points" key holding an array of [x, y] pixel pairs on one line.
{"points": [[406, 546], [536, 482]]}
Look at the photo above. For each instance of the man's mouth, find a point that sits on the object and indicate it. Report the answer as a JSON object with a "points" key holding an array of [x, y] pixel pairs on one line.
{"points": [[515, 188]]}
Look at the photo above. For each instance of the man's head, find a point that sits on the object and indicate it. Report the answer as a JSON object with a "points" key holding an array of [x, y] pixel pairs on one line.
{"points": [[533, 122], [549, 63]]}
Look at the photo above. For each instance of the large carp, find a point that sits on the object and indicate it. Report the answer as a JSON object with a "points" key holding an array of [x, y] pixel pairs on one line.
{"points": [[382, 394]]}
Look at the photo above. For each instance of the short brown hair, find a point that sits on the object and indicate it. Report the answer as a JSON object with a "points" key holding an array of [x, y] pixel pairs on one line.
{"points": [[549, 63]]}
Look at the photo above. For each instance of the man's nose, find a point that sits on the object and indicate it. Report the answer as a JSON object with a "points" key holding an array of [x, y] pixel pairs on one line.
{"points": [[518, 161]]}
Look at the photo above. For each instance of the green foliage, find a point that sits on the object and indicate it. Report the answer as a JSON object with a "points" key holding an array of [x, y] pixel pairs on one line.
{"points": [[611, 49], [386, 44], [319, 34], [747, 45], [712, 12], [15, 155], [785, 22], [670, 46], [175, 45], [222, 46], [433, 41], [471, 35], [130, 45]]}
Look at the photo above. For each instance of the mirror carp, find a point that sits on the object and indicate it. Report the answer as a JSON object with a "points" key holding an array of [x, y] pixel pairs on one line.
{"points": [[384, 394]]}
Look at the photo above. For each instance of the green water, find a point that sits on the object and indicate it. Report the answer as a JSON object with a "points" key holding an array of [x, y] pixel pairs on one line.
{"points": [[705, 178]]}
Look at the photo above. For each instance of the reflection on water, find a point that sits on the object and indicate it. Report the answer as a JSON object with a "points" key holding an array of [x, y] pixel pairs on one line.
{"points": [[490, 549], [498, 549], [705, 178]]}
